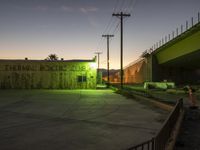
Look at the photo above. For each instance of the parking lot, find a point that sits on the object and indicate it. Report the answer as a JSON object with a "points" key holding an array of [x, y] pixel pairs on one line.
{"points": [[74, 120]]}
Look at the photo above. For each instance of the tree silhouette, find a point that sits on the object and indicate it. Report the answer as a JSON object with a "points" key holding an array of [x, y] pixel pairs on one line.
{"points": [[52, 57]]}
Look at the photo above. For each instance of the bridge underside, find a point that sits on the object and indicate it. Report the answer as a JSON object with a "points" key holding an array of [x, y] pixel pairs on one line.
{"points": [[189, 61], [182, 70]]}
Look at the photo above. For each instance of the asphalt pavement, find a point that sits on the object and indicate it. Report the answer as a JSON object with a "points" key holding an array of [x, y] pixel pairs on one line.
{"points": [[74, 120]]}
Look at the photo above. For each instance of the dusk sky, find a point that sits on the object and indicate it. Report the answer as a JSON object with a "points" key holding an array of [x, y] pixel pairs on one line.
{"points": [[72, 29]]}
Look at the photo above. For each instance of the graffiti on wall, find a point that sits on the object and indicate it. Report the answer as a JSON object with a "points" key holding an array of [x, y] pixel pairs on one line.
{"points": [[46, 75], [44, 67]]}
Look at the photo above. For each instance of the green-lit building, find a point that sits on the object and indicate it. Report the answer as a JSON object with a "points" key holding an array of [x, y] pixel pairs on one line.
{"points": [[46, 74]]}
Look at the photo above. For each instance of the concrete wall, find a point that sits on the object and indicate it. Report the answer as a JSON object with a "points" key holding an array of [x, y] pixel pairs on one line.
{"points": [[137, 72], [27, 74], [115, 78]]}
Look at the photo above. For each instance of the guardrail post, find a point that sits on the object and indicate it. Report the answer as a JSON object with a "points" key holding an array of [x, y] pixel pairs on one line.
{"points": [[153, 144], [186, 25], [181, 104], [192, 21], [181, 28], [176, 31]]}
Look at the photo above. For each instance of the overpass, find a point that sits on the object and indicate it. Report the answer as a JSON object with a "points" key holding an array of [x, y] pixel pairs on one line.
{"points": [[183, 51], [179, 59], [174, 58]]}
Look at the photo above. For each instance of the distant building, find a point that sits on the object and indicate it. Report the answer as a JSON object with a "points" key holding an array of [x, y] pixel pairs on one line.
{"points": [[46, 74]]}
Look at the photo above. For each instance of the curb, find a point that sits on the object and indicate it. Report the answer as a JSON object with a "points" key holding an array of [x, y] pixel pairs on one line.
{"points": [[156, 103]]}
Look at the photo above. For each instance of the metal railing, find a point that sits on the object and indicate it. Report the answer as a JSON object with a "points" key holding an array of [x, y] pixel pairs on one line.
{"points": [[147, 145], [175, 33], [163, 136], [161, 139]]}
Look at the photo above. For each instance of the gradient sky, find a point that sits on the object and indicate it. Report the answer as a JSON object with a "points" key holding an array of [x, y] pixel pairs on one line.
{"points": [[72, 28]]}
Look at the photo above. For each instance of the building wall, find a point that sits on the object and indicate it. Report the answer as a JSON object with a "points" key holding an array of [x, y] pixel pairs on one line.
{"points": [[29, 74]]}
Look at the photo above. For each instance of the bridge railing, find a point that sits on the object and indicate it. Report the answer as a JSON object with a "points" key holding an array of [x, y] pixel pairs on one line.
{"points": [[147, 145], [175, 33], [161, 139], [163, 136]]}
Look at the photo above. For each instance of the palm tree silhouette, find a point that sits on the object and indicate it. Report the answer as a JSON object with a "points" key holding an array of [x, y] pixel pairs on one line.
{"points": [[52, 57]]}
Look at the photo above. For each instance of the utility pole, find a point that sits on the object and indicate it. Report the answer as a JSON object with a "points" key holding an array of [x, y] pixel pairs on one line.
{"points": [[98, 57], [121, 16], [108, 57], [98, 75]]}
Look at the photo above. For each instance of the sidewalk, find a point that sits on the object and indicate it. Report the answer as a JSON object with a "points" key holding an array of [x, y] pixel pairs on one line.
{"points": [[189, 136]]}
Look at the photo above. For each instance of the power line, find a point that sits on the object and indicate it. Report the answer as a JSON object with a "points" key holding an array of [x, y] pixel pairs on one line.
{"points": [[123, 5], [116, 4], [111, 19], [108, 26], [132, 6], [126, 5], [115, 31], [99, 43], [113, 25]]}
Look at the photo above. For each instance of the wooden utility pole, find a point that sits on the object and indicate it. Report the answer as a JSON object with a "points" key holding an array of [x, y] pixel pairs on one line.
{"points": [[98, 75], [121, 16], [108, 57], [98, 57]]}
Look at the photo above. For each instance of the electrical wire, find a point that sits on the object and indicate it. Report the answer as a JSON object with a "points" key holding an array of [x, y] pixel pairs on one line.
{"points": [[112, 27], [132, 6], [116, 4]]}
